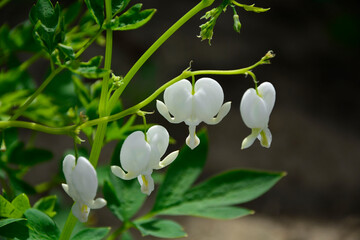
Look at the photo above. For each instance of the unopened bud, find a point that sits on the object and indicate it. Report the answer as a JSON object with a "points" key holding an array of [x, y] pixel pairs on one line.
{"points": [[237, 24]]}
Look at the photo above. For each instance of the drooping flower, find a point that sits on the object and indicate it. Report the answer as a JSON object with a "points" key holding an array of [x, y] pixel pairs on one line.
{"points": [[140, 154], [81, 186], [194, 105], [255, 111]]}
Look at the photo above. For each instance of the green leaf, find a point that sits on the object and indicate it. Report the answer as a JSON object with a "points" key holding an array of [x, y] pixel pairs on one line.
{"points": [[21, 203], [91, 233], [132, 18], [160, 228], [8, 210], [66, 50], [41, 225], [118, 6], [182, 173], [252, 8], [20, 186], [72, 12], [4, 222], [123, 197], [222, 212], [48, 27], [47, 205], [29, 157], [89, 69], [233, 187], [14, 228], [126, 236], [96, 8]]}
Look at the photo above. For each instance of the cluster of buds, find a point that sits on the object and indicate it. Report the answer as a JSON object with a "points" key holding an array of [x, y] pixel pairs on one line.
{"points": [[141, 153]]}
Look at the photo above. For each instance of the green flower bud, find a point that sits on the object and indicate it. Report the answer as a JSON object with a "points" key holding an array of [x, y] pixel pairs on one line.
{"points": [[237, 24]]}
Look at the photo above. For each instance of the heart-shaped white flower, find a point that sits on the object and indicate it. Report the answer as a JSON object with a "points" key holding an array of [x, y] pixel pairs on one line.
{"points": [[140, 154], [81, 186], [255, 109], [194, 105]]}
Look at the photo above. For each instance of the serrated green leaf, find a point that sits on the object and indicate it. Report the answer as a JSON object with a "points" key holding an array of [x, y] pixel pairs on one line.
{"points": [[46, 205], [21, 203], [182, 173], [14, 228], [132, 18], [160, 228], [7, 210], [96, 8], [118, 6], [41, 225], [91, 233]]}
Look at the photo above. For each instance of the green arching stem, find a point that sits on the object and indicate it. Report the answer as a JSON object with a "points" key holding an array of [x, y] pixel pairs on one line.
{"points": [[70, 130], [114, 98], [255, 81], [68, 227]]}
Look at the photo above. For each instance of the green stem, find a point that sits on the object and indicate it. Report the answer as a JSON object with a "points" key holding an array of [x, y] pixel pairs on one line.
{"points": [[135, 68], [124, 227], [69, 130], [69, 227], [101, 130], [88, 43], [20, 111]]}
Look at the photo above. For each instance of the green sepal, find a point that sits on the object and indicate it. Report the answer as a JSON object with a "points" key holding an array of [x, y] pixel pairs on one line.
{"points": [[118, 6], [91, 233], [41, 226], [96, 9], [47, 205], [131, 19], [160, 228]]}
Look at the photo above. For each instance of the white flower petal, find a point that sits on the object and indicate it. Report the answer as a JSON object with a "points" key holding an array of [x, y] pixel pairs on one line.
{"points": [[192, 140], [158, 138], [146, 183], [117, 171], [267, 92], [163, 110], [167, 160], [84, 179], [249, 140], [68, 167], [66, 188], [208, 98], [135, 153], [224, 110], [265, 138], [178, 99], [253, 110], [80, 211], [98, 203]]}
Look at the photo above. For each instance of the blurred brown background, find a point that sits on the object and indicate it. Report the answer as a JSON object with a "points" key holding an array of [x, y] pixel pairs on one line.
{"points": [[315, 122]]}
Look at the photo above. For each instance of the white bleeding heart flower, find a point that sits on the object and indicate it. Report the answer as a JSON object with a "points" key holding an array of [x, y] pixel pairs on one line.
{"points": [[140, 155], [255, 111], [82, 184], [194, 105]]}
